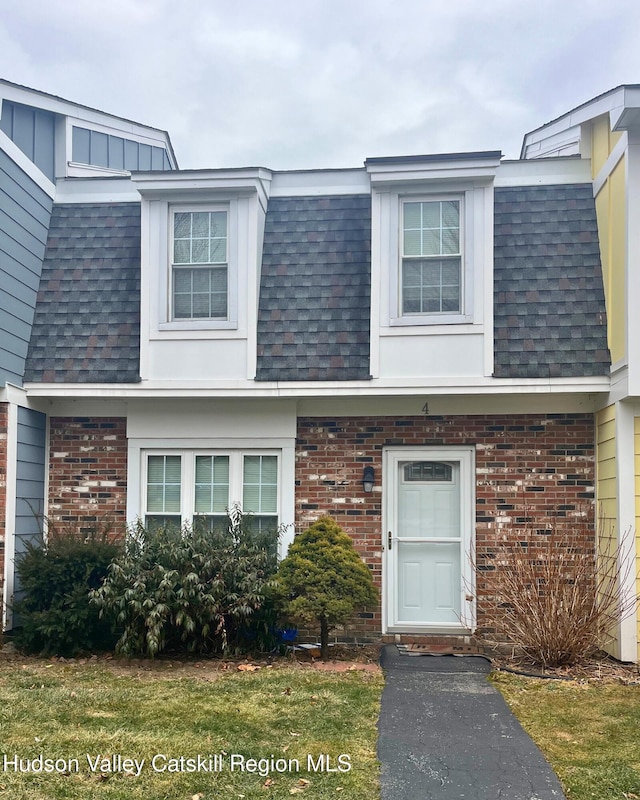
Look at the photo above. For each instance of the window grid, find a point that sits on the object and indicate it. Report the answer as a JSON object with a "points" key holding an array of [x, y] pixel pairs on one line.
{"points": [[204, 485], [431, 275], [200, 267]]}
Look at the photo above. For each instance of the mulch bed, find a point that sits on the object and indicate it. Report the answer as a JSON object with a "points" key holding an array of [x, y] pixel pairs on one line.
{"points": [[600, 668]]}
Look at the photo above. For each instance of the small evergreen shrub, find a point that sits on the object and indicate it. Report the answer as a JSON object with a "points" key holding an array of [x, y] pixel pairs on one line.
{"points": [[190, 589], [53, 612], [323, 579]]}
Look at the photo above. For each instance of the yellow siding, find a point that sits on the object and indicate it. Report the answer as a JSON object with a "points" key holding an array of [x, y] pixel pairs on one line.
{"points": [[606, 472], [603, 140], [636, 449], [607, 488]]}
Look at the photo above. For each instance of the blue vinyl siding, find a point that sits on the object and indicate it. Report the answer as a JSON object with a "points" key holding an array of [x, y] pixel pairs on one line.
{"points": [[33, 131], [114, 152], [25, 211], [30, 479]]}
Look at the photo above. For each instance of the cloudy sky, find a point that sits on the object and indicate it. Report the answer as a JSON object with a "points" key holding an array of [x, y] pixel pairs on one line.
{"points": [[291, 84]]}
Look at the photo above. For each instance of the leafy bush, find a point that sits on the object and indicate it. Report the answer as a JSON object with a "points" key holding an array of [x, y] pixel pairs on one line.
{"points": [[323, 579], [189, 589], [554, 602], [53, 612]]}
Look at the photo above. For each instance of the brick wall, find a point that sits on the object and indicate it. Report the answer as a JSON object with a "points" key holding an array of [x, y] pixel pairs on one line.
{"points": [[87, 472], [3, 491], [532, 471]]}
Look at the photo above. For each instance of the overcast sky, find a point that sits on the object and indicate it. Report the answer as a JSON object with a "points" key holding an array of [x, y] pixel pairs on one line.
{"points": [[291, 84]]}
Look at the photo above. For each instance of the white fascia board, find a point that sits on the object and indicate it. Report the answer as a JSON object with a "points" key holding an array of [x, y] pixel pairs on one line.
{"points": [[627, 114], [463, 171], [544, 171], [96, 190], [604, 104], [16, 395], [188, 183], [375, 388], [444, 166], [313, 183], [26, 165]]}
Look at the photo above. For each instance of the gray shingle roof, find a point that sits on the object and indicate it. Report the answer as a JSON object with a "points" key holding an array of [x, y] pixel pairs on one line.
{"points": [[315, 293], [549, 314], [313, 320], [87, 320]]}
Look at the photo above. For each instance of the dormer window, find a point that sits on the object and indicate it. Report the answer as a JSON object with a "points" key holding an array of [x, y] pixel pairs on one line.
{"points": [[200, 264], [431, 274]]}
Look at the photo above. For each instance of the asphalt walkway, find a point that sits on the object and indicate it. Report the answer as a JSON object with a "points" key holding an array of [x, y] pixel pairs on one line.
{"points": [[447, 734]]}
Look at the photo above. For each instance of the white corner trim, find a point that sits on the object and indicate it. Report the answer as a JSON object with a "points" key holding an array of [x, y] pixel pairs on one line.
{"points": [[486, 273], [10, 512], [26, 165], [610, 164]]}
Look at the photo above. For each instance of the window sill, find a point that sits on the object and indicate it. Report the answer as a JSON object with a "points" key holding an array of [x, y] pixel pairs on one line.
{"points": [[198, 325], [433, 328], [431, 319], [199, 330]]}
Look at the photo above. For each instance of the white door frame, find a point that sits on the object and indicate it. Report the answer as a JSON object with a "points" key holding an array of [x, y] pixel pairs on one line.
{"points": [[465, 457]]}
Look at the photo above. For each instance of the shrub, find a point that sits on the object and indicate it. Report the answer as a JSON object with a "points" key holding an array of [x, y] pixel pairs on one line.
{"points": [[53, 612], [189, 589], [553, 602], [323, 579]]}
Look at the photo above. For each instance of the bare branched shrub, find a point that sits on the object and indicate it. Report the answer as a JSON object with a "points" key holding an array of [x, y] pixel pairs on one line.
{"points": [[555, 601]]}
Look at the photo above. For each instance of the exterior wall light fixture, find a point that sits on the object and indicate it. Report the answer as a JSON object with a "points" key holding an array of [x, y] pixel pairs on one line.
{"points": [[368, 479]]}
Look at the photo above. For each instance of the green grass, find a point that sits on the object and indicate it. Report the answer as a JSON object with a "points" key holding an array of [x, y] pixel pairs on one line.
{"points": [[589, 732], [66, 711]]}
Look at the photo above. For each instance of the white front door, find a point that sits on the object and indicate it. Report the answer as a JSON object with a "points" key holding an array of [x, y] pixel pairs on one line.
{"points": [[429, 498]]}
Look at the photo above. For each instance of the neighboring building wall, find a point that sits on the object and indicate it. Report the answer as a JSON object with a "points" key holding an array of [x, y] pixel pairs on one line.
{"points": [[33, 131], [3, 494], [88, 473], [611, 214], [537, 467], [30, 476], [607, 492], [636, 439], [25, 211]]}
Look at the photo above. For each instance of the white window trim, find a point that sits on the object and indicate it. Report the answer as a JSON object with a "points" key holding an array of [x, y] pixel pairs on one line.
{"points": [[166, 321], [187, 477], [396, 317]]}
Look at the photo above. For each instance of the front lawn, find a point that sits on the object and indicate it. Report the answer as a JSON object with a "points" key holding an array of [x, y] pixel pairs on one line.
{"points": [[308, 727], [589, 732]]}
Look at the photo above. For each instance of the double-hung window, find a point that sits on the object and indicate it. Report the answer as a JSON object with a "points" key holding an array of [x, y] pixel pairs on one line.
{"points": [[431, 275], [200, 264], [194, 486]]}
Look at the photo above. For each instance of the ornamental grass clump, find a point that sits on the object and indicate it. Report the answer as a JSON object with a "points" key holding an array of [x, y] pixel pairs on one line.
{"points": [[323, 579], [553, 598], [189, 589]]}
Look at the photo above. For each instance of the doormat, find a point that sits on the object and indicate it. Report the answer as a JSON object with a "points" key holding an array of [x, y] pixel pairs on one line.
{"points": [[438, 650]]}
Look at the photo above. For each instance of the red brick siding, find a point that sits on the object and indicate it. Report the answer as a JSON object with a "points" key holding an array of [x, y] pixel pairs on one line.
{"points": [[3, 489], [87, 472], [528, 467]]}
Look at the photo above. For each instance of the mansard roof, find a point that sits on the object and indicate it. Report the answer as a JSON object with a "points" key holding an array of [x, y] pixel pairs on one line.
{"points": [[313, 318], [314, 307], [549, 308], [87, 321]]}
